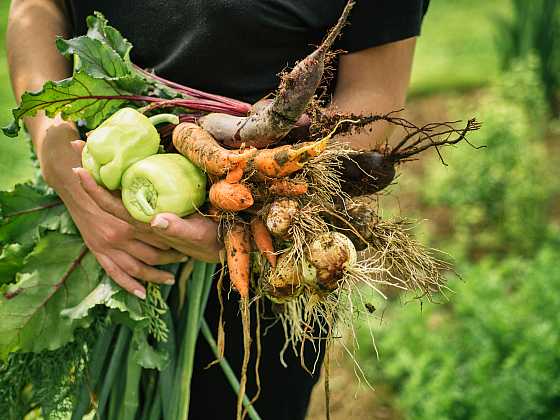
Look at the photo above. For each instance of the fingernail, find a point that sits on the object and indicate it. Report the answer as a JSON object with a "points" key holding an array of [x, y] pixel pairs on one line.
{"points": [[170, 281], [160, 222], [75, 170], [141, 294], [184, 259]]}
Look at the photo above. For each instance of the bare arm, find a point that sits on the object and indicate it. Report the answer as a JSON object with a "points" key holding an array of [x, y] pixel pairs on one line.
{"points": [[124, 248], [374, 81]]}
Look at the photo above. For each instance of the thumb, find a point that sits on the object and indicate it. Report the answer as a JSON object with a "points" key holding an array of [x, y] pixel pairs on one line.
{"points": [[78, 146]]}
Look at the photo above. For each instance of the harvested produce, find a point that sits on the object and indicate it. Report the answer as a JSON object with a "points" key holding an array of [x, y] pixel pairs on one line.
{"points": [[161, 183], [121, 140], [292, 200]]}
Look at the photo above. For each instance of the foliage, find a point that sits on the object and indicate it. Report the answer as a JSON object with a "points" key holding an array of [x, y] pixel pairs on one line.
{"points": [[490, 353], [51, 381], [450, 55], [534, 28], [496, 196]]}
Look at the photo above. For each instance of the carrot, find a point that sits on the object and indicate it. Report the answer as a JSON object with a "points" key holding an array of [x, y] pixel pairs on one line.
{"points": [[285, 160], [272, 122], [230, 197], [263, 240], [200, 147], [238, 247], [235, 174], [287, 188]]}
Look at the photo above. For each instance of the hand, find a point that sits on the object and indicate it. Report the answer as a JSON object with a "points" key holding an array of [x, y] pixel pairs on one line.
{"points": [[194, 236], [125, 249]]}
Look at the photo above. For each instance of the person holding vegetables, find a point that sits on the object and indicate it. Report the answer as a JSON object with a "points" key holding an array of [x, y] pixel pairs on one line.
{"points": [[235, 49]]}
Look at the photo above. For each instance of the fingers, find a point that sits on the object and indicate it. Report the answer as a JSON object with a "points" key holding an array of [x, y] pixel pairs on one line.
{"points": [[194, 229], [139, 270], [151, 255], [102, 197], [153, 240], [120, 277], [195, 236]]}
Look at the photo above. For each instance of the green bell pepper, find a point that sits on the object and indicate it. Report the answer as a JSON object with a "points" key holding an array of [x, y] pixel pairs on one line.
{"points": [[121, 140], [160, 183]]}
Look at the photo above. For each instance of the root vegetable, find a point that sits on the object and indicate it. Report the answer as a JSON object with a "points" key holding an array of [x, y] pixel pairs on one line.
{"points": [[263, 240], [230, 197], [367, 173], [287, 188], [280, 216], [330, 253], [285, 282], [200, 147], [285, 160], [238, 248], [272, 122]]}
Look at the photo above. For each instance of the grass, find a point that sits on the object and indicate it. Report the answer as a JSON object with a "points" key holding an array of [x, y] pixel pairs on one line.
{"points": [[15, 164], [457, 50]]}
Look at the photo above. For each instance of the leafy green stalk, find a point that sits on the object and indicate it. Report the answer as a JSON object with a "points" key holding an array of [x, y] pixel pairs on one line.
{"points": [[228, 371], [117, 359], [98, 357], [181, 395], [131, 399]]}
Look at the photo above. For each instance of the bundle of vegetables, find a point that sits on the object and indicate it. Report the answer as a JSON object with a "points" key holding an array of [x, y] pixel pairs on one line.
{"points": [[296, 208]]}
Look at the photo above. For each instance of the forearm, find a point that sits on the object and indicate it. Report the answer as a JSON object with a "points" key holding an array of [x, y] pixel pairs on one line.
{"points": [[33, 60], [373, 81]]}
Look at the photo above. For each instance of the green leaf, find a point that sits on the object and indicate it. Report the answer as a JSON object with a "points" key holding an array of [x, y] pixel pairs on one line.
{"points": [[58, 274], [146, 355], [111, 295], [16, 166], [11, 261], [95, 58], [27, 211], [81, 97], [98, 28]]}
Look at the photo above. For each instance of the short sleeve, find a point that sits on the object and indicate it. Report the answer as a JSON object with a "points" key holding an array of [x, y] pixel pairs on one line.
{"points": [[377, 22]]}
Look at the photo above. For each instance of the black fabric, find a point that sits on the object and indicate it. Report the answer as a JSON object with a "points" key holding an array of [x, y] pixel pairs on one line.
{"points": [[237, 48]]}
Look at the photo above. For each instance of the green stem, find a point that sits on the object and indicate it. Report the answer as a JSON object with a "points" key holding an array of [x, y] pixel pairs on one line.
{"points": [[150, 395], [155, 412], [114, 366], [98, 356], [167, 376], [181, 398], [131, 399], [228, 372], [164, 118], [143, 201], [116, 397]]}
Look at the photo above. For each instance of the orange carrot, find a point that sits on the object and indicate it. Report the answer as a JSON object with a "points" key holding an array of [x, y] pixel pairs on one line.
{"points": [[200, 147], [285, 160], [238, 247], [287, 188], [235, 175], [263, 240], [230, 197]]}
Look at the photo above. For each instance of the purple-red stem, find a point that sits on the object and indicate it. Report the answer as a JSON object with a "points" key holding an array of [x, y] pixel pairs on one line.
{"points": [[197, 93]]}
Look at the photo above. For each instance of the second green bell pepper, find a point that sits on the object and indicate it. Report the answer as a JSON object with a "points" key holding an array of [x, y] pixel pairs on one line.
{"points": [[121, 140], [163, 183]]}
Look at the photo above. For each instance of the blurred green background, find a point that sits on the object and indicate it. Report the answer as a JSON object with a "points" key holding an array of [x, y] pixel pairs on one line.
{"points": [[490, 348]]}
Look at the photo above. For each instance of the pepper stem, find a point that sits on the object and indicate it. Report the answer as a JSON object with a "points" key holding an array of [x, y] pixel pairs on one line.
{"points": [[161, 118], [143, 202]]}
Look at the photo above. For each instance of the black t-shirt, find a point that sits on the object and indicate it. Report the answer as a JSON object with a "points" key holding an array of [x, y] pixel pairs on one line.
{"points": [[237, 48]]}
